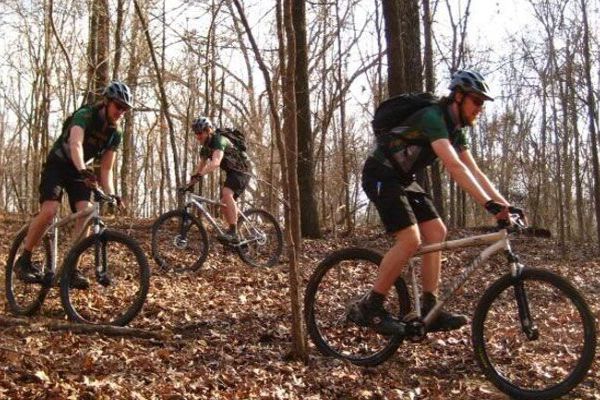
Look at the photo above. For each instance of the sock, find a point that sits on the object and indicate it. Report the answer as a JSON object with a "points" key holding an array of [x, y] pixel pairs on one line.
{"points": [[232, 228], [375, 300], [26, 255]]}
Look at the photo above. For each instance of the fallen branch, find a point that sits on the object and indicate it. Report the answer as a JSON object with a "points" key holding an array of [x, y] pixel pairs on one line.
{"points": [[108, 330]]}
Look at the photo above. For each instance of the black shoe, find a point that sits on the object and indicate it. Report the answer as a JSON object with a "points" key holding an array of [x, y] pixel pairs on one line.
{"points": [[445, 321], [79, 281], [377, 318], [229, 237], [27, 272]]}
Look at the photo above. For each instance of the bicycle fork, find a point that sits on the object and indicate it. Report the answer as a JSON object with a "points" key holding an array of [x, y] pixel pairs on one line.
{"points": [[100, 260], [528, 326]]}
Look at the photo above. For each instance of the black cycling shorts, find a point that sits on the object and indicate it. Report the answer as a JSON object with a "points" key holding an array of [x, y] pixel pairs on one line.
{"points": [[237, 182], [398, 207], [58, 176]]}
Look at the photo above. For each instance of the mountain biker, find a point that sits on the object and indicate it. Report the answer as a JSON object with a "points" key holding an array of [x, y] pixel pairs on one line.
{"points": [[219, 151], [90, 133], [407, 212]]}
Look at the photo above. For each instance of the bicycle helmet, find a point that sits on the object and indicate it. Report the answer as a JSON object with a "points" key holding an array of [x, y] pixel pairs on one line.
{"points": [[470, 81], [201, 123], [119, 92]]}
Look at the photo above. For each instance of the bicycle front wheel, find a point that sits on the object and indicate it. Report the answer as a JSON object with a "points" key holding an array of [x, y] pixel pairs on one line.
{"points": [[118, 279], [261, 240], [341, 278], [540, 363], [25, 298], [179, 241]]}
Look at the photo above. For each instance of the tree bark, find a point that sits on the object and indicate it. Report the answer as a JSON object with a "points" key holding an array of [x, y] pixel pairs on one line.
{"points": [[306, 166]]}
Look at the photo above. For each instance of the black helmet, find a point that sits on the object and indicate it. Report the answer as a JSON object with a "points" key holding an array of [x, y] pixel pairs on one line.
{"points": [[201, 123], [470, 81], [119, 92]]}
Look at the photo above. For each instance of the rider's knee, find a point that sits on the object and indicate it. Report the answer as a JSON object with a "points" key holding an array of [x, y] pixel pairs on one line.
{"points": [[409, 239], [48, 210]]}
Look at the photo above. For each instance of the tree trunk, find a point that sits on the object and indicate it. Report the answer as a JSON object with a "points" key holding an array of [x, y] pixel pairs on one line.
{"points": [[306, 165], [591, 103]]}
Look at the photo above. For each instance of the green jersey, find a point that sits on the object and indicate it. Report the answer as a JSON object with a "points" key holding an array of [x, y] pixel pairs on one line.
{"points": [[233, 158], [410, 143], [99, 136]]}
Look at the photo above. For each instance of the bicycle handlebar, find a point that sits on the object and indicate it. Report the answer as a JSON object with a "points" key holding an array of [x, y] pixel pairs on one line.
{"points": [[516, 222], [102, 197]]}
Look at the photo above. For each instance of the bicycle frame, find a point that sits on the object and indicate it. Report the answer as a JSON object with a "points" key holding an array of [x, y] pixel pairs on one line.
{"points": [[91, 215], [497, 241], [199, 202]]}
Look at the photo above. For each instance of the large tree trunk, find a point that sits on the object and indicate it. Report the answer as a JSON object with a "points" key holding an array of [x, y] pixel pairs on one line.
{"points": [[300, 348], [591, 103], [306, 165]]}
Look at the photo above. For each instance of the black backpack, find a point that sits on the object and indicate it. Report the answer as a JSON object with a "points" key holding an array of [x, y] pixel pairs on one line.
{"points": [[235, 136], [394, 110]]}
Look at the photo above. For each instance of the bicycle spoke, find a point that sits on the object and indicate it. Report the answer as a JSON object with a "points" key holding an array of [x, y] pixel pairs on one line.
{"points": [[338, 282], [118, 279], [261, 240], [179, 241], [553, 359]]}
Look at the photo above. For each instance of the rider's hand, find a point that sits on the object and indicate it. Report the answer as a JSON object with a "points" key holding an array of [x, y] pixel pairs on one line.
{"points": [[89, 178], [500, 211], [120, 203]]}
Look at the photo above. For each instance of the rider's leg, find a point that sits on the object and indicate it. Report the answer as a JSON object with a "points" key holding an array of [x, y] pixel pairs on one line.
{"points": [[229, 210], [407, 243], [79, 206], [39, 223], [25, 270], [369, 310], [434, 231]]}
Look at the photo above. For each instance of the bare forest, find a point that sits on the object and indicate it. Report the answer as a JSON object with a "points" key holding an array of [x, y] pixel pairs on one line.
{"points": [[302, 80]]}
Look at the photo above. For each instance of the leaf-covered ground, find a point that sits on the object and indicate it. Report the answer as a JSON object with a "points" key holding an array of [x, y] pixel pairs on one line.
{"points": [[228, 336]]}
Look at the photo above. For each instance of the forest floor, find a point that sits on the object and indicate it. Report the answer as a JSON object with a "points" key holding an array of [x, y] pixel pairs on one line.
{"points": [[233, 336]]}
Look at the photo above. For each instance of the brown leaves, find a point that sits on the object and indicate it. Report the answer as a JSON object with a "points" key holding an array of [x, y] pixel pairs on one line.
{"points": [[227, 336]]}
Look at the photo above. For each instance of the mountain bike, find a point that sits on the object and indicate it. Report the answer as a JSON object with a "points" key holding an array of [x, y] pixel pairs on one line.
{"points": [[180, 240], [533, 334], [112, 262]]}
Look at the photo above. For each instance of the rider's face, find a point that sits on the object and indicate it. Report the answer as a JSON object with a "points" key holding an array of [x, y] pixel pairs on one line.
{"points": [[116, 110], [202, 135], [472, 106]]}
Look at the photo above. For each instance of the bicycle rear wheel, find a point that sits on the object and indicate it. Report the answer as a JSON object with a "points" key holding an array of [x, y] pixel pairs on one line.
{"points": [[26, 298], [260, 237], [118, 276], [179, 241], [342, 277], [530, 367]]}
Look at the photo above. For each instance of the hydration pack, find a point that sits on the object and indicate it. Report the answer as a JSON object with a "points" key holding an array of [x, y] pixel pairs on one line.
{"points": [[236, 137], [394, 110]]}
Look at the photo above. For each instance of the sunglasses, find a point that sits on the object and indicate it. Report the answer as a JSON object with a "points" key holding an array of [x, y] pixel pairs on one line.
{"points": [[478, 101], [122, 107]]}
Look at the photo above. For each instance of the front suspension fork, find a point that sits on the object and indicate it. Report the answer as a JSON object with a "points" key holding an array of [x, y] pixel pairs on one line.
{"points": [[528, 325]]}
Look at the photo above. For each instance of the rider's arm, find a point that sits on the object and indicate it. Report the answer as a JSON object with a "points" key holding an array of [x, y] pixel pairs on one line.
{"points": [[458, 170], [212, 163], [76, 147], [106, 171], [467, 158]]}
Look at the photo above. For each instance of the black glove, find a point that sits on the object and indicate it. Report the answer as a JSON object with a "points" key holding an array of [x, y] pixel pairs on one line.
{"points": [[118, 200], [494, 208], [89, 178], [195, 178], [516, 210]]}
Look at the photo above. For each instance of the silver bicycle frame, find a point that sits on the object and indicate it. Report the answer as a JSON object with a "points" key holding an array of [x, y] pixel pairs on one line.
{"points": [[89, 213], [199, 201], [497, 241]]}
